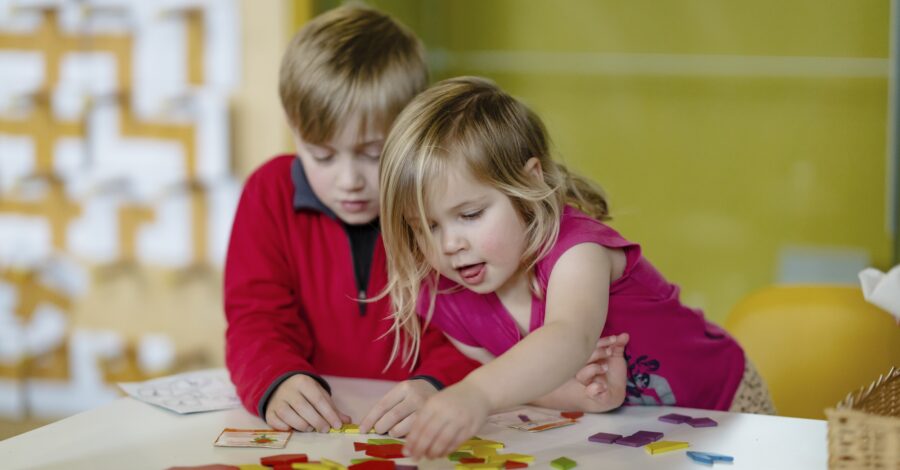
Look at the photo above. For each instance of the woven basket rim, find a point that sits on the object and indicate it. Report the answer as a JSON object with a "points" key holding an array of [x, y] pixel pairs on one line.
{"points": [[853, 400]]}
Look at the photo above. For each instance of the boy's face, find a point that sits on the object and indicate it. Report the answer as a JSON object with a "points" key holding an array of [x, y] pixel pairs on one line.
{"points": [[343, 172]]}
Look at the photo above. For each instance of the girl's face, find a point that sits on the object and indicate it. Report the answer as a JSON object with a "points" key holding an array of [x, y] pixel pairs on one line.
{"points": [[475, 235]]}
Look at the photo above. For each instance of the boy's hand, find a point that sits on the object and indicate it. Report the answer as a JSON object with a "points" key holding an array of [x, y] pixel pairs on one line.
{"points": [[394, 413], [446, 421], [301, 403]]}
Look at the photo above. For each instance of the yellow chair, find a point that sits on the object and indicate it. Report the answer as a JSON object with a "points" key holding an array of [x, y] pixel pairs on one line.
{"points": [[813, 344]]}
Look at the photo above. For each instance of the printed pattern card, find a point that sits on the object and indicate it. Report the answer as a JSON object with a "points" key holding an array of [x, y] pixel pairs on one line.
{"points": [[530, 419], [269, 438]]}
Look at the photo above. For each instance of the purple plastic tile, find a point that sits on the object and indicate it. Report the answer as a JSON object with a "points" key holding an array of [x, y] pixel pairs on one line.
{"points": [[406, 467], [633, 442], [605, 437], [703, 422], [675, 418], [652, 435], [524, 418]]}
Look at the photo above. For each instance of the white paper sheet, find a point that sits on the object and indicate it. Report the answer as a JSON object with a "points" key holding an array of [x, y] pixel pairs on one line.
{"points": [[190, 392]]}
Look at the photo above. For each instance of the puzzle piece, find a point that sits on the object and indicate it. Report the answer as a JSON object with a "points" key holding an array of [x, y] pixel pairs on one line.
{"points": [[708, 457], [476, 442], [456, 456], [571, 414], [471, 460], [358, 446], [514, 464], [563, 463], [348, 428], [652, 435], [374, 465], [604, 438], [665, 446], [702, 422], [503, 458], [308, 466], [379, 442], [386, 451], [484, 466], [674, 418], [283, 459], [334, 465], [632, 441], [253, 466], [484, 452]]}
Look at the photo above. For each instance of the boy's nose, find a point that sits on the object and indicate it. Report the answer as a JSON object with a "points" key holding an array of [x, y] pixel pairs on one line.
{"points": [[351, 178]]}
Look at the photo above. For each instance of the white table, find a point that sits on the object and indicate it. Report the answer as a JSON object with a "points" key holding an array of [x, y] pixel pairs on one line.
{"points": [[131, 434]]}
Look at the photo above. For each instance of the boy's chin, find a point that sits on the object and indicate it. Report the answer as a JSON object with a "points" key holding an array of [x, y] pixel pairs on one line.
{"points": [[356, 218]]}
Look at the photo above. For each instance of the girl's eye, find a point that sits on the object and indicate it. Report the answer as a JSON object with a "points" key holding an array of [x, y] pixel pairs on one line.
{"points": [[432, 227], [473, 215]]}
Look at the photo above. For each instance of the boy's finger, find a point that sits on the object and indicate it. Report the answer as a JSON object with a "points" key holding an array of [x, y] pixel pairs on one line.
{"points": [[288, 416], [273, 420], [375, 414], [326, 409], [308, 412]]}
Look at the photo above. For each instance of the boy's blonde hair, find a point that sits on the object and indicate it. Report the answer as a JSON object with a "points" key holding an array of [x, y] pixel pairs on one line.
{"points": [[351, 59], [467, 120]]}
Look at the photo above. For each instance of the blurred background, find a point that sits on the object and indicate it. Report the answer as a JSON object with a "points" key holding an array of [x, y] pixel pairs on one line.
{"points": [[744, 144]]}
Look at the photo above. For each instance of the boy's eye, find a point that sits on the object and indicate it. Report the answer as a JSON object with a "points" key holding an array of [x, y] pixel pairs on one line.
{"points": [[372, 151]]}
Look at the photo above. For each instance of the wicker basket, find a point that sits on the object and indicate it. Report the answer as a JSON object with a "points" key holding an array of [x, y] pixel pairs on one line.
{"points": [[864, 428]]}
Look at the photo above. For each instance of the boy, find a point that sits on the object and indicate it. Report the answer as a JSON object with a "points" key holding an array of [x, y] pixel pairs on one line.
{"points": [[305, 247]]}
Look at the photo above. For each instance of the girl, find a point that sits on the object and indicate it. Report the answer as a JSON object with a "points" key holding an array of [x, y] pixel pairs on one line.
{"points": [[500, 247]]}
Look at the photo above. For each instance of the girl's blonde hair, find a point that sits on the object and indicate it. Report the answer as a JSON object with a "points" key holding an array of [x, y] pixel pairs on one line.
{"points": [[472, 121]]}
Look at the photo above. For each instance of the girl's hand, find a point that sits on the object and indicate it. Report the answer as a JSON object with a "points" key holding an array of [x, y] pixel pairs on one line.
{"points": [[394, 413], [302, 404], [446, 421], [609, 352]]}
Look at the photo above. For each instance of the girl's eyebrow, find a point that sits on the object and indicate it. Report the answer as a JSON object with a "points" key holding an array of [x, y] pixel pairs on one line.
{"points": [[466, 203]]}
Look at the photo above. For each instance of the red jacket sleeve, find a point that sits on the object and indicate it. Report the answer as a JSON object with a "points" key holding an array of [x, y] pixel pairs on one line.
{"points": [[266, 337], [441, 360]]}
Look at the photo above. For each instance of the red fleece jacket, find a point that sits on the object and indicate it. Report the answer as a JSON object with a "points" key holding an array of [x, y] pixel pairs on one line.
{"points": [[290, 298]]}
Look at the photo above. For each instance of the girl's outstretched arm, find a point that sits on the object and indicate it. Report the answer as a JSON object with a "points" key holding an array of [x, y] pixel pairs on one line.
{"points": [[576, 304]]}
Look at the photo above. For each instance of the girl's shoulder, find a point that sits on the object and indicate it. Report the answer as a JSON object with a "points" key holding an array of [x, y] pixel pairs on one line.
{"points": [[577, 227]]}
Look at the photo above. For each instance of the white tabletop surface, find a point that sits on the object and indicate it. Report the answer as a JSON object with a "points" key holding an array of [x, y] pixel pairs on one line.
{"points": [[130, 434]]}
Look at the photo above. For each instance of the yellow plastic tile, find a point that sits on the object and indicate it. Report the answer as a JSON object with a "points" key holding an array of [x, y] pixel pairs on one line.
{"points": [[484, 452], [334, 465], [307, 466], [475, 443], [665, 446]]}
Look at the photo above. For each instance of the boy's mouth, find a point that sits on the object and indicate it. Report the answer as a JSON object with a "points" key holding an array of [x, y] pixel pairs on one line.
{"points": [[354, 206]]}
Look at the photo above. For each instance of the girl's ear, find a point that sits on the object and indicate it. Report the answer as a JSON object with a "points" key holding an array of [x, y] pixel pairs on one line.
{"points": [[533, 168]]}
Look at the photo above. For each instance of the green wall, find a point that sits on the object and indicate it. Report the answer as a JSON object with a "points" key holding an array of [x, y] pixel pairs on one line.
{"points": [[723, 131]]}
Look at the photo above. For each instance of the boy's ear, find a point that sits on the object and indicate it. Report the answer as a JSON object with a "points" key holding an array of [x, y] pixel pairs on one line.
{"points": [[533, 168]]}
